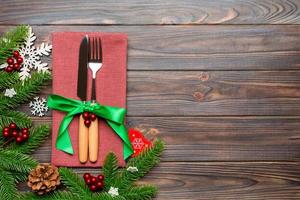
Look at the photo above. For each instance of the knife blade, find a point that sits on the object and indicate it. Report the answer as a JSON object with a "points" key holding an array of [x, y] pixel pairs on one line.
{"points": [[83, 139], [82, 69]]}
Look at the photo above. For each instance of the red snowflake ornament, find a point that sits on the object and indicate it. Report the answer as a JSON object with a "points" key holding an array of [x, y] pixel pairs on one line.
{"points": [[138, 141]]}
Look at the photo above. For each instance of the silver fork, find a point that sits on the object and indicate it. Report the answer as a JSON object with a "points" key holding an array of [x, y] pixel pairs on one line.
{"points": [[95, 63]]}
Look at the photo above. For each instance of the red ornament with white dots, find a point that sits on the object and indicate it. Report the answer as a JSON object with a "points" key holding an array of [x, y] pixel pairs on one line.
{"points": [[94, 183], [13, 132], [14, 62], [138, 141]]}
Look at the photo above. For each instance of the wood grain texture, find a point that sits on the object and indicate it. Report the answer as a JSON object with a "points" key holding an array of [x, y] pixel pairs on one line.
{"points": [[215, 138], [217, 80], [201, 47], [151, 12], [219, 181], [215, 93]]}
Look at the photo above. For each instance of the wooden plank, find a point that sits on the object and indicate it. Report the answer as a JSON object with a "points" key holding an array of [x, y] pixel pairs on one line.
{"points": [[215, 93], [151, 12], [201, 47], [242, 180], [215, 138]]}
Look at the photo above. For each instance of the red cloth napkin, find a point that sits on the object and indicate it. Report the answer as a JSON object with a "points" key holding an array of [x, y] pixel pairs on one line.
{"points": [[110, 86]]}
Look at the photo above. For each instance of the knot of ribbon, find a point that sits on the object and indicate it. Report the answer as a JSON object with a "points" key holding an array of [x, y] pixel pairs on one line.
{"points": [[114, 117]]}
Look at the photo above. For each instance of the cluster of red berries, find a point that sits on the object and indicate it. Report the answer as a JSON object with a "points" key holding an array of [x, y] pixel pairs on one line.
{"points": [[88, 118], [94, 183], [20, 135], [14, 63]]}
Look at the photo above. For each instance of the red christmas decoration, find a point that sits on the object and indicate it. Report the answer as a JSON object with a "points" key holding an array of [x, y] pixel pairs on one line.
{"points": [[88, 118], [138, 141], [12, 131], [14, 63], [94, 183]]}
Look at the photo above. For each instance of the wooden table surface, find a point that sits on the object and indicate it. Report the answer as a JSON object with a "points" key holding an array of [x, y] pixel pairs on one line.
{"points": [[217, 80]]}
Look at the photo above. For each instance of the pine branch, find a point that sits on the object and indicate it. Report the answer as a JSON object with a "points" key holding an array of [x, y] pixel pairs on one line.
{"points": [[57, 195], [74, 183], [140, 192], [37, 136], [106, 196], [16, 161], [8, 116], [8, 79], [110, 170], [18, 176], [25, 90], [8, 190], [145, 161], [11, 41]]}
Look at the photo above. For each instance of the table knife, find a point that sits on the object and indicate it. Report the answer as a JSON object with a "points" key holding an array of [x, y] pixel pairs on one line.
{"points": [[83, 131]]}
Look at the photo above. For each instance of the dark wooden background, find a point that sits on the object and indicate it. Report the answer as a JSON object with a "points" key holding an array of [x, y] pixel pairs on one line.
{"points": [[218, 80]]}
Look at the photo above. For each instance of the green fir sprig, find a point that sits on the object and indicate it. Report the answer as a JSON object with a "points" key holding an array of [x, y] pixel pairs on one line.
{"points": [[37, 136], [19, 118], [25, 90], [8, 79], [8, 190], [15, 164], [12, 40], [114, 177]]}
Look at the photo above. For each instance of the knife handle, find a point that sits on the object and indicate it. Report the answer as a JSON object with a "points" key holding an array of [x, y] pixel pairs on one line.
{"points": [[93, 140], [83, 140]]}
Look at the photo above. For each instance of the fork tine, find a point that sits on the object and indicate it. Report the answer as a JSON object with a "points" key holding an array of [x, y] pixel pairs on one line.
{"points": [[97, 49], [100, 50], [93, 49]]}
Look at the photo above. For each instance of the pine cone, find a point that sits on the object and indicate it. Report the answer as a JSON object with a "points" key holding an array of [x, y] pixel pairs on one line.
{"points": [[44, 178]]}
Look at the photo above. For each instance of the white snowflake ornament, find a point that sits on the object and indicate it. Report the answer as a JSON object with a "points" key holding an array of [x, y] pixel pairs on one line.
{"points": [[38, 106], [10, 92], [113, 191], [32, 56], [132, 169]]}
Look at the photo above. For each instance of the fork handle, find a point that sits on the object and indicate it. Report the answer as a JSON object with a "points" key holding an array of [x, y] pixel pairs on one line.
{"points": [[93, 140], [94, 89]]}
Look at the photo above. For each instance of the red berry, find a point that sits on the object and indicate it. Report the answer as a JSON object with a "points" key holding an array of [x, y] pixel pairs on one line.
{"points": [[100, 177], [5, 129], [15, 133], [87, 123], [10, 61], [16, 66], [25, 136], [25, 130], [12, 126], [19, 139], [85, 115], [99, 184], [16, 54], [88, 181], [5, 133], [93, 116], [93, 187], [20, 60], [9, 69], [93, 180], [86, 175]]}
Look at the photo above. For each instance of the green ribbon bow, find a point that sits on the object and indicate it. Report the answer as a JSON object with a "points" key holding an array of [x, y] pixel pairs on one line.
{"points": [[114, 116]]}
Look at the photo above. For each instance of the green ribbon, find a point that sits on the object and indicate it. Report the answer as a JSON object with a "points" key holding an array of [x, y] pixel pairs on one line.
{"points": [[114, 117]]}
